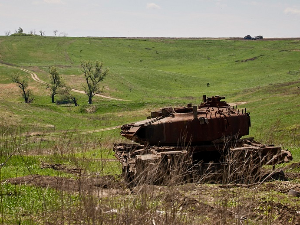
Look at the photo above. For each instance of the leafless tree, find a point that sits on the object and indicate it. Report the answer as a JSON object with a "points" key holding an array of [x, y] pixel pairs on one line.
{"points": [[32, 32], [63, 34]]}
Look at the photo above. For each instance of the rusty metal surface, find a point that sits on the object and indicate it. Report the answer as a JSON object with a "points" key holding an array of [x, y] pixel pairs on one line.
{"points": [[153, 162], [209, 121], [198, 138]]}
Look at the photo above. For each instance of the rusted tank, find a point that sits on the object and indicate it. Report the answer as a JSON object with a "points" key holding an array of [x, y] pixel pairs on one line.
{"points": [[196, 143]]}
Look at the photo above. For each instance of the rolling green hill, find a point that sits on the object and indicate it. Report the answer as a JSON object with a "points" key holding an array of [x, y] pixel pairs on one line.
{"points": [[151, 73], [57, 163]]}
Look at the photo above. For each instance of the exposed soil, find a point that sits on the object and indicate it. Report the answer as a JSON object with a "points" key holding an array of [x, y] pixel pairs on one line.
{"points": [[87, 182], [69, 184], [81, 182]]}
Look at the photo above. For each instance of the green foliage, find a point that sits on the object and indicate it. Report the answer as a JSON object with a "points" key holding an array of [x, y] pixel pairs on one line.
{"points": [[23, 85], [55, 82], [24, 204], [93, 76], [20, 32]]}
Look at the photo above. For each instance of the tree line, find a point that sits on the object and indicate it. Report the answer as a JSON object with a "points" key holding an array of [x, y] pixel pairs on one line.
{"points": [[93, 73], [20, 32]]}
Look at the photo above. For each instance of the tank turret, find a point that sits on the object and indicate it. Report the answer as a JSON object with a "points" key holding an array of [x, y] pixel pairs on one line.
{"points": [[194, 125], [196, 135]]}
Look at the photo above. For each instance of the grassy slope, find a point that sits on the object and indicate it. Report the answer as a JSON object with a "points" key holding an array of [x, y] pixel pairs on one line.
{"points": [[148, 73], [158, 72]]}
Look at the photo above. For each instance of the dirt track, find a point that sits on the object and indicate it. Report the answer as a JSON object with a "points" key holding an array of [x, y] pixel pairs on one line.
{"points": [[35, 77]]}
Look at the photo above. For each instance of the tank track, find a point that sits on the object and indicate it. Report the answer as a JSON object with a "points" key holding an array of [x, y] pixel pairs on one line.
{"points": [[237, 161]]}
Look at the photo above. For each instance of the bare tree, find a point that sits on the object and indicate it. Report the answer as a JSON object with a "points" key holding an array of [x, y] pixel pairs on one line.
{"points": [[23, 85], [55, 32], [63, 34], [42, 33], [55, 82], [93, 74], [32, 32], [7, 33]]}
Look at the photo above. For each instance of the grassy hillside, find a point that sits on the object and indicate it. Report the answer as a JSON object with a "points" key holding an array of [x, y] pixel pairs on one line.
{"points": [[67, 149], [157, 69], [150, 73]]}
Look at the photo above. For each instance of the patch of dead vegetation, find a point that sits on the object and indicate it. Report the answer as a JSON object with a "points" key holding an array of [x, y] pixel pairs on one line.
{"points": [[9, 90]]}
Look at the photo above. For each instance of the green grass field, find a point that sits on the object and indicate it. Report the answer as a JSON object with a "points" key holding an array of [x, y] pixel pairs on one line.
{"points": [[150, 73], [262, 76]]}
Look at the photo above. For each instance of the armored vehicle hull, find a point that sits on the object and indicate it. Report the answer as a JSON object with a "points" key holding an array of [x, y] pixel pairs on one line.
{"points": [[193, 143]]}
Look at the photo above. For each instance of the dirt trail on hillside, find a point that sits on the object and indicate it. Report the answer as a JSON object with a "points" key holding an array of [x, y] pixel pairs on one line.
{"points": [[100, 130], [102, 96], [33, 76], [37, 79]]}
